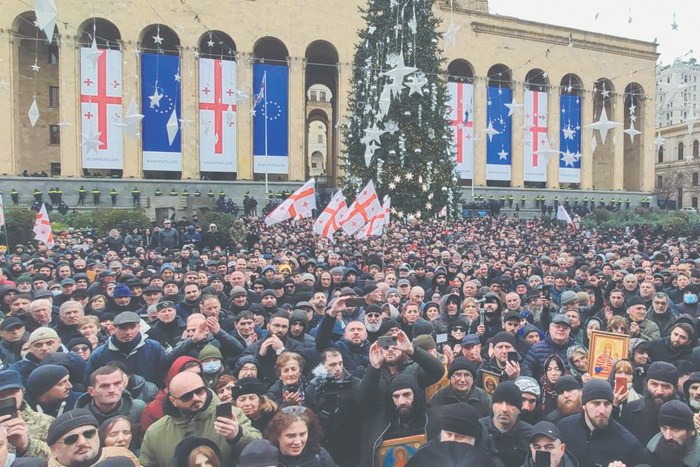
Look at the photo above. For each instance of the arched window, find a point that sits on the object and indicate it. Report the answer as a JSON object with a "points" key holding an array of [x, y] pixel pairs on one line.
{"points": [[661, 154], [680, 151]]}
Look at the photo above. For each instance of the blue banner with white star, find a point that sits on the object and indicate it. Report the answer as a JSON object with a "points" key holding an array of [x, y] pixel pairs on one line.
{"points": [[498, 134], [160, 106], [570, 139], [271, 144]]}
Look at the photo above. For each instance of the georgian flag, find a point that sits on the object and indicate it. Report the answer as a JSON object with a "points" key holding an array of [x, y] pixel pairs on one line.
{"points": [[300, 204], [562, 215], [42, 228], [360, 212], [329, 220], [443, 211], [376, 224]]}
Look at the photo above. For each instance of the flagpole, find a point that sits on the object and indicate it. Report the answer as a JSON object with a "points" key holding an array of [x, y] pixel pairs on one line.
{"points": [[265, 98]]}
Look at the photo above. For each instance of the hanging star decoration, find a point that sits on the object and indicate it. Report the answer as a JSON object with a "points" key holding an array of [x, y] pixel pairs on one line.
{"points": [[93, 54], [384, 103], [46, 16], [514, 107], [632, 132], [369, 152], [490, 131], [690, 120], [568, 158], [415, 84], [157, 39], [400, 72], [173, 126], [397, 178], [569, 132], [91, 142], [155, 98], [409, 176], [428, 205], [36, 67], [594, 143], [674, 25], [603, 125], [659, 141], [131, 121], [629, 20], [604, 92], [672, 88], [178, 78], [546, 151], [394, 86], [392, 186], [450, 35], [372, 134]]}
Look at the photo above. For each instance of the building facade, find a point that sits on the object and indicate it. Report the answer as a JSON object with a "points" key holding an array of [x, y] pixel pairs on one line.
{"points": [[314, 40], [678, 88], [678, 166]]}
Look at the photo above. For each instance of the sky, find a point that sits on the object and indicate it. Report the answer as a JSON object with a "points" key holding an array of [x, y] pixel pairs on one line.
{"points": [[650, 19]]}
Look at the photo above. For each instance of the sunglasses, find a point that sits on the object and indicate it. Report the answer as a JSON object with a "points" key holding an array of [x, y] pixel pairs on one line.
{"points": [[72, 439], [295, 409], [186, 397], [80, 348]]}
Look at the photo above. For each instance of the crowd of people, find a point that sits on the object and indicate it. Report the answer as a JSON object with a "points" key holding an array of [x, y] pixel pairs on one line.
{"points": [[460, 342]]}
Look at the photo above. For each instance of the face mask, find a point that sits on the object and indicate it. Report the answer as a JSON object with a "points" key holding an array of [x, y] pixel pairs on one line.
{"points": [[56, 293], [690, 298], [211, 367]]}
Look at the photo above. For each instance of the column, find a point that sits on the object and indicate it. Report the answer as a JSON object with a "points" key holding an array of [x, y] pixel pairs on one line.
{"points": [[297, 119], [189, 112], [586, 139], [554, 122], [131, 91], [244, 119], [517, 121], [69, 95], [480, 122], [618, 142], [648, 150], [343, 82], [8, 124]]}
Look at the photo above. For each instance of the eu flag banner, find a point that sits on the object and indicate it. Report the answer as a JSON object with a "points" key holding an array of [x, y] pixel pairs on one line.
{"points": [[498, 134], [570, 139], [270, 145], [460, 111], [535, 139], [160, 106]]}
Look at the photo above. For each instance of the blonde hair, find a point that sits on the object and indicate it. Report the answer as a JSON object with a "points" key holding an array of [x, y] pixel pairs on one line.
{"points": [[287, 357], [89, 319]]}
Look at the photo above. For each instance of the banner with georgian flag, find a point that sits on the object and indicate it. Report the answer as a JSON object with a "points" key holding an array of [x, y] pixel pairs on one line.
{"points": [[375, 226], [217, 115], [2, 213], [300, 204], [562, 215], [365, 206], [329, 220], [101, 108], [535, 138], [42, 228], [460, 106]]}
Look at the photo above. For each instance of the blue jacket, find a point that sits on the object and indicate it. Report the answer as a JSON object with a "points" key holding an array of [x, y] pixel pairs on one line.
{"points": [[355, 359], [538, 353], [146, 360], [25, 366]]}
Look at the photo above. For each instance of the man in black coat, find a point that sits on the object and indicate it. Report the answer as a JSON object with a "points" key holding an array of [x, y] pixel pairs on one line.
{"points": [[641, 417], [678, 346], [594, 437]]}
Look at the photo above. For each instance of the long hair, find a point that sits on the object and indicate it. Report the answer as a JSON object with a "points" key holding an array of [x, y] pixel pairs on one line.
{"points": [[207, 452], [285, 417]]}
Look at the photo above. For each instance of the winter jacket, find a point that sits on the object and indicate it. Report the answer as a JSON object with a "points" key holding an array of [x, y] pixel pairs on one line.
{"points": [[132, 241], [167, 334], [308, 458], [661, 350], [10, 351], [59, 408], [25, 366], [114, 243], [691, 459], [147, 359], [568, 461], [128, 407], [162, 437], [509, 448], [141, 389], [477, 398], [600, 447], [664, 321], [230, 348], [538, 353], [648, 330], [169, 238], [105, 453], [267, 361], [442, 322], [633, 418], [355, 358], [37, 430]]}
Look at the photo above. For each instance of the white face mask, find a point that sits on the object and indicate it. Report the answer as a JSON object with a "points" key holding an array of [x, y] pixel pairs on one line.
{"points": [[211, 367]]}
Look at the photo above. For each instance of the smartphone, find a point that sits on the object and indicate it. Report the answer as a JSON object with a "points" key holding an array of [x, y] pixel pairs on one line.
{"points": [[224, 410], [8, 407], [546, 291], [620, 381], [355, 302], [513, 357], [386, 341], [543, 459]]}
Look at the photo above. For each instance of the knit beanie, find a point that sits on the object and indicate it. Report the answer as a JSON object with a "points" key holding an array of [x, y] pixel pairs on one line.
{"points": [[78, 341], [459, 418], [461, 363], [566, 383], [503, 337], [528, 384], [425, 342], [43, 378], [663, 371], [596, 389], [568, 297], [121, 290], [210, 351], [676, 414], [508, 392], [388, 325], [69, 421]]}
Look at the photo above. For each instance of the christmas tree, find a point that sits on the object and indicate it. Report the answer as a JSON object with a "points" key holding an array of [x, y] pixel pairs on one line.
{"points": [[399, 135]]}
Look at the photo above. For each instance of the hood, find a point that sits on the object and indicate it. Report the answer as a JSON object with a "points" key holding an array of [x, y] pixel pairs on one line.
{"points": [[443, 304], [243, 360], [528, 328], [177, 367], [439, 271], [497, 298], [299, 315], [404, 381], [187, 445]]}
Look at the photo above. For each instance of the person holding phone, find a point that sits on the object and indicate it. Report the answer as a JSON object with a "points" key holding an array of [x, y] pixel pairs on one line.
{"points": [[547, 449], [505, 361]]}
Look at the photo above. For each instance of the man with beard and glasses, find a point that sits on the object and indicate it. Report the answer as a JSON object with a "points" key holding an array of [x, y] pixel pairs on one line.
{"points": [[373, 321], [568, 398], [593, 437], [677, 444], [641, 417], [691, 388], [531, 411]]}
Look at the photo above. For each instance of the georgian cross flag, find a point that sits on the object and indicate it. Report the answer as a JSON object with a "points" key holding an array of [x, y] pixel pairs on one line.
{"points": [[535, 140], [329, 220], [2, 213], [562, 215], [461, 116], [42, 228], [217, 115], [360, 212], [376, 224], [300, 204]]}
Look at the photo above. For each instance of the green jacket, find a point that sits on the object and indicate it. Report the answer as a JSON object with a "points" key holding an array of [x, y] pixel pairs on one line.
{"points": [[692, 457], [38, 429], [648, 330], [163, 436]]}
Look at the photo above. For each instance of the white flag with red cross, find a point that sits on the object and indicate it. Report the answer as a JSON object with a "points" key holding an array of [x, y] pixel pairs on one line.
{"points": [[2, 212], [460, 107], [376, 224], [535, 141], [217, 115], [300, 204], [101, 108], [329, 220], [562, 215], [360, 212], [443, 211], [42, 227]]}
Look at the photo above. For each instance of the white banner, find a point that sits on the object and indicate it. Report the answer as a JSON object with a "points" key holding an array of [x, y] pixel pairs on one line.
{"points": [[535, 138], [217, 115], [461, 115], [101, 109]]}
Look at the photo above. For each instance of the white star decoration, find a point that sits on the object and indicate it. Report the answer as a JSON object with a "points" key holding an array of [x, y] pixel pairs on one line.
{"points": [[157, 39], [36, 67], [491, 132], [409, 176], [569, 158], [33, 113], [397, 178], [659, 141], [632, 132], [569, 132], [155, 99], [605, 92], [450, 35], [392, 186], [503, 155], [91, 142], [603, 125], [415, 84], [178, 77], [401, 71], [132, 119], [513, 106], [172, 127], [369, 152], [373, 134], [94, 54]]}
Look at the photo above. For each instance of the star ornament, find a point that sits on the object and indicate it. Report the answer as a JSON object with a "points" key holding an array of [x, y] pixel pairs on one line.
{"points": [[157, 39], [401, 71], [373, 134], [94, 54], [503, 155], [369, 153], [91, 142], [569, 132], [603, 125], [659, 141], [36, 67], [155, 99], [397, 179], [568, 158], [632, 132], [409, 176], [392, 186], [450, 36], [490, 131], [514, 107], [415, 84]]}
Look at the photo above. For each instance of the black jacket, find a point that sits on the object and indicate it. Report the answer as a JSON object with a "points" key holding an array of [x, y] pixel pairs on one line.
{"points": [[640, 421], [267, 361], [509, 448], [661, 350]]}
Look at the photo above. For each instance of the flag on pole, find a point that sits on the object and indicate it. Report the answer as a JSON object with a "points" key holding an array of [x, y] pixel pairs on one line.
{"points": [[562, 215], [365, 206], [300, 204], [443, 211], [2, 212], [329, 220], [375, 226], [42, 228]]}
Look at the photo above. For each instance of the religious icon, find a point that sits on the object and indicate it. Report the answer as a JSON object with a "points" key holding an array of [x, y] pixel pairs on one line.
{"points": [[397, 452], [490, 381], [606, 349]]}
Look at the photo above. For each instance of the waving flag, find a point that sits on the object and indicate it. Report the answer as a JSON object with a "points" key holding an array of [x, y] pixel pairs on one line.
{"points": [[562, 215], [329, 220], [217, 115], [535, 139], [270, 120], [461, 116], [160, 106], [498, 141], [360, 212], [375, 226], [300, 204], [570, 139], [2, 213], [42, 227], [443, 211], [101, 108]]}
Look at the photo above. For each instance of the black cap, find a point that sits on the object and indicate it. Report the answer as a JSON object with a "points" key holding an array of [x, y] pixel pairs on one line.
{"points": [[163, 305], [561, 318], [10, 323], [545, 428], [511, 315], [151, 289]]}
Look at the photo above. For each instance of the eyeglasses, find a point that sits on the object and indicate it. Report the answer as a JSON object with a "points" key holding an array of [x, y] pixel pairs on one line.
{"points": [[72, 439], [80, 348], [186, 397], [294, 409], [372, 315]]}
